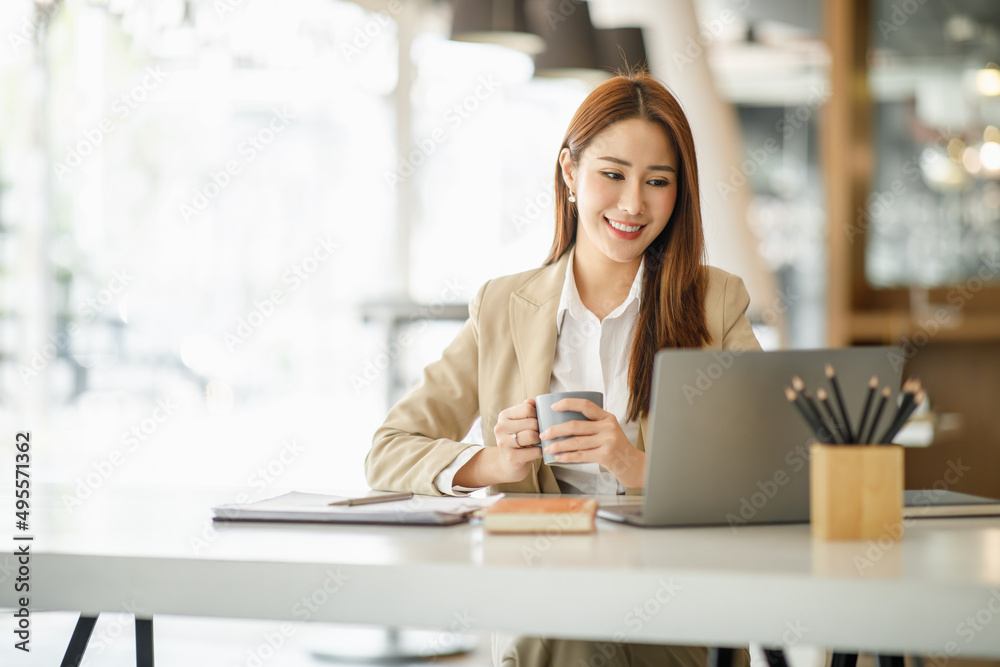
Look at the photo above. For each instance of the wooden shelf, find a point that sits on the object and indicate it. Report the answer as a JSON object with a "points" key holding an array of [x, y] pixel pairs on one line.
{"points": [[890, 327], [955, 357], [858, 312]]}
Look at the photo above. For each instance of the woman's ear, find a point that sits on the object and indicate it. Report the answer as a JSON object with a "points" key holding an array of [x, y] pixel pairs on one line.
{"points": [[568, 169]]}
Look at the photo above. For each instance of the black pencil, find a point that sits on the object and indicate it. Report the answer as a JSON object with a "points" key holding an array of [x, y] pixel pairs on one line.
{"points": [[906, 399], [896, 427], [902, 413], [872, 388], [845, 417], [800, 405], [886, 392], [838, 429], [800, 389]]}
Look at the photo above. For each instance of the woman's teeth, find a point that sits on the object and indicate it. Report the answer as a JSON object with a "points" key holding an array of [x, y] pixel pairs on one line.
{"points": [[623, 228]]}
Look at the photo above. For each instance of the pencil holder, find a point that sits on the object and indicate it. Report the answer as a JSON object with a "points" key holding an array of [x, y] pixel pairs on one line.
{"points": [[856, 492]]}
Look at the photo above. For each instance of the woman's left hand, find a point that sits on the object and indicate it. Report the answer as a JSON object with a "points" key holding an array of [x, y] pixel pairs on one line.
{"points": [[600, 440]]}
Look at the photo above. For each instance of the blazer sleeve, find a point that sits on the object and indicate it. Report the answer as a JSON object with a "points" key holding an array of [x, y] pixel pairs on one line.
{"points": [[421, 433], [737, 334]]}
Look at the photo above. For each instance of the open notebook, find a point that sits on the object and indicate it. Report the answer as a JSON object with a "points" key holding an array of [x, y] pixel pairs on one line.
{"points": [[296, 506]]}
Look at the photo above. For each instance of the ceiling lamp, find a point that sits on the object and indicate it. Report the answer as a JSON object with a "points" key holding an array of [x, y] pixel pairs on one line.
{"points": [[500, 22], [574, 48], [988, 80], [570, 39], [621, 49], [942, 173]]}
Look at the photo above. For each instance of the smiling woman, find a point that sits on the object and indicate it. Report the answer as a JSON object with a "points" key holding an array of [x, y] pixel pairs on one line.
{"points": [[617, 201], [624, 278], [635, 123]]}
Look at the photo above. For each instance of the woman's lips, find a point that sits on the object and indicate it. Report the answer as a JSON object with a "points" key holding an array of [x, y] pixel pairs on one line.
{"points": [[621, 234]]}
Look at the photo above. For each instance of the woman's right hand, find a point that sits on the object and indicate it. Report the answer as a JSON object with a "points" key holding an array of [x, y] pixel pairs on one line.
{"points": [[516, 433]]}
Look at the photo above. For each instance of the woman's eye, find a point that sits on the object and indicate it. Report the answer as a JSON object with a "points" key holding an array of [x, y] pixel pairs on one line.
{"points": [[656, 182]]}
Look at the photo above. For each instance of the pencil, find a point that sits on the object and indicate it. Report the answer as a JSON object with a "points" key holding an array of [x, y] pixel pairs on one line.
{"points": [[838, 429], [824, 432], [872, 388], [896, 427], [845, 417], [806, 414], [369, 500], [909, 389], [886, 392]]}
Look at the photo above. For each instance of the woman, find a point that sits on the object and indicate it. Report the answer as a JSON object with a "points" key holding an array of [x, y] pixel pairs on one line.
{"points": [[624, 278]]}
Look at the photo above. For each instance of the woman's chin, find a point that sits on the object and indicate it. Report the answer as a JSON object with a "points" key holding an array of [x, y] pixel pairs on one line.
{"points": [[623, 256]]}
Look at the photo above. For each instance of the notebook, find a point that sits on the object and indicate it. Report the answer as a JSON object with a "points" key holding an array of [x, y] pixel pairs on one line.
{"points": [[724, 446], [296, 506], [934, 503]]}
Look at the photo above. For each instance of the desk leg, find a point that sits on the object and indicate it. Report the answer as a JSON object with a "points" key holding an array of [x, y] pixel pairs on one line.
{"points": [[143, 642], [78, 642], [890, 661], [720, 657], [844, 660], [775, 657]]}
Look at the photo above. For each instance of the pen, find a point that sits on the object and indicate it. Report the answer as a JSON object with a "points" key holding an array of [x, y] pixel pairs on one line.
{"points": [[367, 500]]}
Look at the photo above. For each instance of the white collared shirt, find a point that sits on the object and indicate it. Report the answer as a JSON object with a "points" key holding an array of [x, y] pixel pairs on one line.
{"points": [[591, 355]]}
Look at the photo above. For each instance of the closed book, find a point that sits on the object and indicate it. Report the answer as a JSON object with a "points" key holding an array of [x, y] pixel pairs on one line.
{"points": [[931, 503], [540, 515]]}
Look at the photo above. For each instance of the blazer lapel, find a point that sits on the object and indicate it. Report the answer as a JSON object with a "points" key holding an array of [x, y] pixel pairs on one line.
{"points": [[533, 326], [533, 311]]}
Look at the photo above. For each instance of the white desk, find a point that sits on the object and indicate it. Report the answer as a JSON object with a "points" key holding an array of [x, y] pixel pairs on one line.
{"points": [[157, 549]]}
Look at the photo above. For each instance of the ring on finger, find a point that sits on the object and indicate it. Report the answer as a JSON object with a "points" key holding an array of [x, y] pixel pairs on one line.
{"points": [[514, 435]]}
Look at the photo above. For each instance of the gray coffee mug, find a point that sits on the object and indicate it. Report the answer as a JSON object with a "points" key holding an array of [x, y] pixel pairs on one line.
{"points": [[548, 417]]}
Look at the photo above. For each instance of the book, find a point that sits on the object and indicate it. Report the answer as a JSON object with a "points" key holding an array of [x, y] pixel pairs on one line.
{"points": [[540, 515], [296, 506], [933, 503]]}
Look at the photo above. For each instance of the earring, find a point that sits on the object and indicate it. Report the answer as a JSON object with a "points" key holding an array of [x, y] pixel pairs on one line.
{"points": [[571, 197]]}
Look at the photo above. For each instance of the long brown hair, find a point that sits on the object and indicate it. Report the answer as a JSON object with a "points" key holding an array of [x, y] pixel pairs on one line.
{"points": [[672, 306]]}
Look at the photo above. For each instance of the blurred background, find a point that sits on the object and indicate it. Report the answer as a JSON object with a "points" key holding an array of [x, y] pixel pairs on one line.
{"points": [[232, 232]]}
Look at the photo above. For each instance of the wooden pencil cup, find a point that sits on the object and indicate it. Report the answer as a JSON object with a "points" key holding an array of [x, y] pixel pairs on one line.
{"points": [[856, 491]]}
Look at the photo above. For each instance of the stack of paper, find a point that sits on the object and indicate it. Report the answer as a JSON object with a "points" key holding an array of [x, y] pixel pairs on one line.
{"points": [[314, 507]]}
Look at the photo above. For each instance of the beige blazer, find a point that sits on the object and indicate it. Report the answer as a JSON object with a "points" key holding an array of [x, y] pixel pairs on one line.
{"points": [[503, 355]]}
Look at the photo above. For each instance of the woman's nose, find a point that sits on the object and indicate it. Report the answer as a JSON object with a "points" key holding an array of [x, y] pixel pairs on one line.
{"points": [[631, 199]]}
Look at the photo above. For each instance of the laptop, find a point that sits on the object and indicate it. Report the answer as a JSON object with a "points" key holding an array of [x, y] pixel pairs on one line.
{"points": [[725, 447]]}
